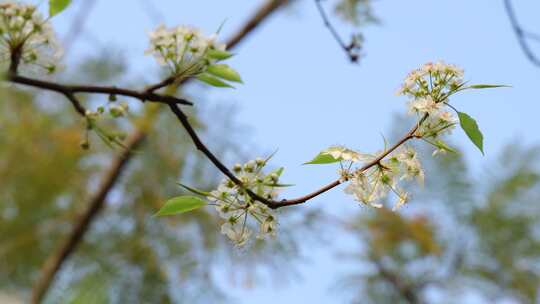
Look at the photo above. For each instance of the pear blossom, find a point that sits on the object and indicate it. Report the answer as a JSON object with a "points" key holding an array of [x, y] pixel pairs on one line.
{"points": [[403, 198], [182, 49], [239, 210], [424, 105], [369, 186], [27, 38], [435, 79]]}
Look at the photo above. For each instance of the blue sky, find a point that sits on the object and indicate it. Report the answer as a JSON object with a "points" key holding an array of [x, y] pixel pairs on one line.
{"points": [[301, 94]]}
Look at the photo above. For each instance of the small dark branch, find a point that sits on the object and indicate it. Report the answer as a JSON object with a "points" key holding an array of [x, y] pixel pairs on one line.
{"points": [[283, 203], [521, 35], [15, 59], [199, 144], [76, 104], [159, 85], [66, 91], [70, 90], [350, 49], [82, 223]]}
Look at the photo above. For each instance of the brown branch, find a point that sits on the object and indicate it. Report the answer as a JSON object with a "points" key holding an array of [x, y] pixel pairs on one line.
{"points": [[81, 225], [255, 20], [286, 202], [70, 90], [521, 35], [55, 261], [350, 49]]}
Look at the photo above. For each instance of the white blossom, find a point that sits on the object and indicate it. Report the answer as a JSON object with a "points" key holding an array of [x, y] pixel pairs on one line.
{"points": [[375, 183], [238, 208], [26, 35], [403, 198], [436, 79], [424, 105], [182, 49]]}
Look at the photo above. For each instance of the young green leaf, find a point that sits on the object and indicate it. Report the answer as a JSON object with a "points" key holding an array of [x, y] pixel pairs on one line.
{"points": [[180, 204], [213, 81], [487, 86], [278, 171], [57, 6], [469, 125], [322, 158], [224, 71], [219, 55], [196, 191]]}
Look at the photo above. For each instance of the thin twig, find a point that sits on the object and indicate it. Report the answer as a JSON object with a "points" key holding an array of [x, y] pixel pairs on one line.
{"points": [[521, 35], [286, 202], [351, 48]]}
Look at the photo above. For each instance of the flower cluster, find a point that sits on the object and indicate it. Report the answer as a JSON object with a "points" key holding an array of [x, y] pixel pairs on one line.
{"points": [[27, 38], [374, 183], [116, 110], [237, 207], [184, 50], [429, 88], [435, 79]]}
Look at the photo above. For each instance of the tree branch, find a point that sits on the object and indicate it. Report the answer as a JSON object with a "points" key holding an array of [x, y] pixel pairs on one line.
{"points": [[349, 49], [70, 90], [286, 202], [81, 225], [55, 261], [521, 35]]}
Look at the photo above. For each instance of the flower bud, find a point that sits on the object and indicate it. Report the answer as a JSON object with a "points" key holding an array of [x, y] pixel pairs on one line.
{"points": [[260, 162]]}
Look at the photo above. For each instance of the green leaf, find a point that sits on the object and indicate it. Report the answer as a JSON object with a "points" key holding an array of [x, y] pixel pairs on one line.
{"points": [[180, 204], [278, 171], [487, 86], [196, 191], [224, 71], [219, 55], [322, 158], [213, 81], [57, 6], [469, 125]]}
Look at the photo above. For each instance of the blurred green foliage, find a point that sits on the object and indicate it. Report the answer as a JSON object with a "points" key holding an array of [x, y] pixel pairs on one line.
{"points": [[127, 256], [462, 234]]}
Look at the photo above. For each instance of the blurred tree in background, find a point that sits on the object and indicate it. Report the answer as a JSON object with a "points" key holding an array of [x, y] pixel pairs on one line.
{"points": [[457, 240], [46, 178], [453, 239]]}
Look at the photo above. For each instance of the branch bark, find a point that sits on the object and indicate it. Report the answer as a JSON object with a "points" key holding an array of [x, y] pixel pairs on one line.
{"points": [[350, 48]]}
